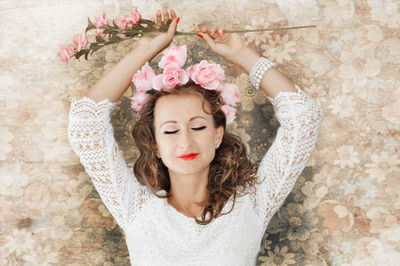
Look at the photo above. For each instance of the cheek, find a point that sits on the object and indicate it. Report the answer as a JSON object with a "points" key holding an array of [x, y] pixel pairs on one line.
{"points": [[164, 144], [207, 145]]}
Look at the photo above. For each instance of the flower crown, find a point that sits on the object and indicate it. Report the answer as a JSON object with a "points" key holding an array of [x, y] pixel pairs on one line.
{"points": [[208, 76]]}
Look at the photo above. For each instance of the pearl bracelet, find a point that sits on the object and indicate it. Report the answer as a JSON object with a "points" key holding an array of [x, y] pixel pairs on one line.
{"points": [[258, 70]]}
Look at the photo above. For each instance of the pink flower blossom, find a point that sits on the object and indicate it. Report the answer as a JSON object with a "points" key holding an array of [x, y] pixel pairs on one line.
{"points": [[120, 22], [98, 32], [99, 22], [230, 113], [80, 41], [65, 54], [171, 77], [207, 75], [174, 55], [133, 17], [230, 93], [143, 79], [138, 100]]}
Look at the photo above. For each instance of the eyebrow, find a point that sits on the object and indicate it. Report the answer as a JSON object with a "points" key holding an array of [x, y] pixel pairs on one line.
{"points": [[172, 121]]}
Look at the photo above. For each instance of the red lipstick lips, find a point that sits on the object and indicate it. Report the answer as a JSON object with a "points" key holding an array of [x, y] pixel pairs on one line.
{"points": [[188, 157]]}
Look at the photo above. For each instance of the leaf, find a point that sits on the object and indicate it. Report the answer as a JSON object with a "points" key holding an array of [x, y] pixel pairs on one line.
{"points": [[99, 39], [86, 55], [107, 27], [164, 27], [97, 47], [90, 26], [137, 27], [115, 38], [148, 22], [131, 35], [150, 27], [80, 53]]}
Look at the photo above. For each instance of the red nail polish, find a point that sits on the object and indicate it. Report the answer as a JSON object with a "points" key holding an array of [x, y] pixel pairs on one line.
{"points": [[220, 34], [201, 36], [177, 20]]}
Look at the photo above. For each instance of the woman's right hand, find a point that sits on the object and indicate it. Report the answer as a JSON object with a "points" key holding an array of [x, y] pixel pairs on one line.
{"points": [[226, 45], [162, 39]]}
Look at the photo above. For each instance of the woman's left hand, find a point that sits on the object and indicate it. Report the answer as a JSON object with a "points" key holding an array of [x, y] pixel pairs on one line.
{"points": [[225, 45], [162, 39]]}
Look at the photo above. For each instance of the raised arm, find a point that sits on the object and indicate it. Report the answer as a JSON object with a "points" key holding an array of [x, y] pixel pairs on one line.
{"points": [[298, 116], [231, 47], [91, 134], [299, 119], [114, 84]]}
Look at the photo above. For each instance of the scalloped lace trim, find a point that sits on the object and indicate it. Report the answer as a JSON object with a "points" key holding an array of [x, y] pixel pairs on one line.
{"points": [[285, 93], [86, 107]]}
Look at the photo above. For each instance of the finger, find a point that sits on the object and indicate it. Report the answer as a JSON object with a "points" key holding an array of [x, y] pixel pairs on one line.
{"points": [[204, 30], [212, 33], [220, 31], [173, 14], [159, 17], [172, 28], [166, 16], [209, 40]]}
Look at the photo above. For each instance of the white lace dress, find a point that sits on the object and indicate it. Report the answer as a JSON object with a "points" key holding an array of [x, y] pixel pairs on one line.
{"points": [[156, 233]]}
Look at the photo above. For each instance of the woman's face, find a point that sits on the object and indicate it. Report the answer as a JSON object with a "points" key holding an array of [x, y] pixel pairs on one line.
{"points": [[182, 127]]}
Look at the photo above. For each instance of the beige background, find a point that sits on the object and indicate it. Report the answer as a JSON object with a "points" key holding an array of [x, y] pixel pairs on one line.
{"points": [[345, 207]]}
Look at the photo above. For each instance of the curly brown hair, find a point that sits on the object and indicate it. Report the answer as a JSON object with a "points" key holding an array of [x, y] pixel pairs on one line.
{"points": [[230, 169]]}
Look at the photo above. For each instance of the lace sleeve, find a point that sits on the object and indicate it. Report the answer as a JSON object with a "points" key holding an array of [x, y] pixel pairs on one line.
{"points": [[91, 136], [299, 119]]}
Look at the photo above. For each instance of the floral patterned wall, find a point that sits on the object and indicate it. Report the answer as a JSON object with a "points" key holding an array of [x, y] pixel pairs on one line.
{"points": [[343, 210]]}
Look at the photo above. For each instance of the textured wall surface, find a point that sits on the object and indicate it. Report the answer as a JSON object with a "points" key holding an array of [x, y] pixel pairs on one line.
{"points": [[345, 207]]}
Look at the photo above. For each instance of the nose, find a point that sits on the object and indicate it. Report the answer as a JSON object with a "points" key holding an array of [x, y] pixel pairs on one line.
{"points": [[185, 140]]}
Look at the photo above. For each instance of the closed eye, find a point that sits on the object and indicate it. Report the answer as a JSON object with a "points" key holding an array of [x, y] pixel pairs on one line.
{"points": [[195, 128], [170, 132]]}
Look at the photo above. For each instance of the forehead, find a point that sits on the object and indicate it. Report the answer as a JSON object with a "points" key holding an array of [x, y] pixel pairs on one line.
{"points": [[179, 108]]}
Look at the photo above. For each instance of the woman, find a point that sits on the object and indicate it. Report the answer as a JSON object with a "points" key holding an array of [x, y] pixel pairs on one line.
{"points": [[215, 204]]}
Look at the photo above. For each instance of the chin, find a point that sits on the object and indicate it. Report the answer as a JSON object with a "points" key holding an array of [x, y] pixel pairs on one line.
{"points": [[187, 170], [188, 167]]}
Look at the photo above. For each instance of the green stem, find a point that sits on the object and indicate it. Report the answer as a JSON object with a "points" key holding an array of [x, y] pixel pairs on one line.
{"points": [[272, 29], [180, 33]]}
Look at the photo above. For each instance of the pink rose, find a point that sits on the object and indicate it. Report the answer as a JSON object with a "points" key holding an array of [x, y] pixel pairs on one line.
{"points": [[230, 93], [65, 54], [171, 77], [174, 55], [80, 41], [133, 17], [120, 22], [207, 75], [230, 113], [143, 79], [99, 22], [138, 100]]}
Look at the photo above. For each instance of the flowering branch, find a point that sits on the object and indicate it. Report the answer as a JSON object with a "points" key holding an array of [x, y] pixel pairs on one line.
{"points": [[130, 26]]}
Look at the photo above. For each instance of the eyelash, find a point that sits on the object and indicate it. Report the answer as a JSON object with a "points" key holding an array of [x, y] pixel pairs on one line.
{"points": [[173, 132]]}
